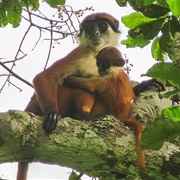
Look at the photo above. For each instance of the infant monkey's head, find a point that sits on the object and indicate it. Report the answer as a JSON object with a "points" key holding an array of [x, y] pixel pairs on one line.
{"points": [[108, 60]]}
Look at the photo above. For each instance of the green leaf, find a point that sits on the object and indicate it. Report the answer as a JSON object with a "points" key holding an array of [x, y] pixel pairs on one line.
{"points": [[164, 71], [10, 11], [14, 17], [143, 28], [162, 3], [55, 3], [134, 19], [169, 94], [74, 176], [146, 2], [31, 3], [3, 19], [164, 129], [138, 41], [121, 3], [174, 6], [172, 112], [154, 11], [8, 4], [156, 51]]}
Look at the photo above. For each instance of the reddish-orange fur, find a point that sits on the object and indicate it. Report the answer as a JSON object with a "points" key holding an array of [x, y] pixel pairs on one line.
{"points": [[72, 102], [117, 95]]}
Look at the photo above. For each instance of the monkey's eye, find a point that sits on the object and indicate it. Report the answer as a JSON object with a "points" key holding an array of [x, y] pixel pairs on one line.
{"points": [[102, 26], [105, 65], [88, 27], [97, 63]]}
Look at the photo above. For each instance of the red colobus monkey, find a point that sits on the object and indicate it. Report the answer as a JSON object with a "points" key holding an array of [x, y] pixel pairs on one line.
{"points": [[97, 31], [109, 94], [115, 92]]}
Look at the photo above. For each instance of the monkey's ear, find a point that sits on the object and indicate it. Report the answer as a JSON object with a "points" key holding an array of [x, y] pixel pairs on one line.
{"points": [[117, 23], [80, 29]]}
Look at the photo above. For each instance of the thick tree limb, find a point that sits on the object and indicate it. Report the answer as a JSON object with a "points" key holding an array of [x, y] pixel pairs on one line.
{"points": [[103, 148]]}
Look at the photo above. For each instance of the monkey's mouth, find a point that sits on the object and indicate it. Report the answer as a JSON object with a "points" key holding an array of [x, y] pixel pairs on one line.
{"points": [[96, 41]]}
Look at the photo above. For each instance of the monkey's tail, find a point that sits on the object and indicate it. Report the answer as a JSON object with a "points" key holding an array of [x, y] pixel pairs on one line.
{"points": [[136, 126], [22, 171]]}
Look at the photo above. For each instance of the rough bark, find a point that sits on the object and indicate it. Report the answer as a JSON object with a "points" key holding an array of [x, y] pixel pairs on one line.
{"points": [[104, 148], [175, 53]]}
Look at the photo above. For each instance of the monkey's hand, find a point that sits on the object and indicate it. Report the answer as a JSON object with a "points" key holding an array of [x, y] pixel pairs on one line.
{"points": [[144, 85], [72, 82], [50, 121]]}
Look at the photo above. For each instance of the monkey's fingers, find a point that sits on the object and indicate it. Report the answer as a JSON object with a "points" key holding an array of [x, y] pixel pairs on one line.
{"points": [[145, 85], [50, 121], [160, 86]]}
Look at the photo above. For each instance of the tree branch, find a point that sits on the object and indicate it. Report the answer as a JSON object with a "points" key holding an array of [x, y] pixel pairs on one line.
{"points": [[102, 148], [15, 75]]}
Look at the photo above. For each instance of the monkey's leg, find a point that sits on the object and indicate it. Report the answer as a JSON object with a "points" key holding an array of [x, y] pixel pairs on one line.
{"points": [[34, 107]]}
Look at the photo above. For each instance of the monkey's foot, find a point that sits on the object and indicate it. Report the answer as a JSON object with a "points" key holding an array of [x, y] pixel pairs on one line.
{"points": [[50, 121]]}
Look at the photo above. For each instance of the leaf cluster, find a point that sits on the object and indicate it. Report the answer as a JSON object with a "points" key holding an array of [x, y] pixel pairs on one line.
{"points": [[11, 10], [167, 127], [154, 20]]}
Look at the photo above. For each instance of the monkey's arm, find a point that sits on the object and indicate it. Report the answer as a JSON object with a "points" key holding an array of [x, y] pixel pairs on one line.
{"points": [[144, 85], [46, 94], [89, 84], [94, 83], [46, 84]]}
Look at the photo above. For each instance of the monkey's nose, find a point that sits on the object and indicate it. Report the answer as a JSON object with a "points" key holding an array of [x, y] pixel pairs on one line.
{"points": [[96, 34]]}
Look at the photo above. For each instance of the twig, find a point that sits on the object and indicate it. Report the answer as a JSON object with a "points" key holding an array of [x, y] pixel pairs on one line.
{"points": [[37, 40], [16, 57], [15, 86], [22, 40], [50, 45], [11, 61], [15, 75]]}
